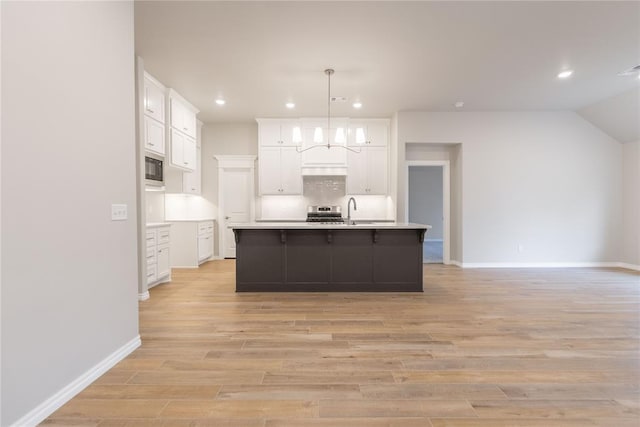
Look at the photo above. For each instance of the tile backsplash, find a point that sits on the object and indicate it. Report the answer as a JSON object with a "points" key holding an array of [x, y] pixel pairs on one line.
{"points": [[324, 190]]}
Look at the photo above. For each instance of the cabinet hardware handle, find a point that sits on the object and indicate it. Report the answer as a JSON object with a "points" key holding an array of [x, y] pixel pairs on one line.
{"points": [[150, 110]]}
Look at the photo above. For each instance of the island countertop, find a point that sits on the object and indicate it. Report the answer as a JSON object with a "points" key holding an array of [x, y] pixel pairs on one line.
{"points": [[359, 225]]}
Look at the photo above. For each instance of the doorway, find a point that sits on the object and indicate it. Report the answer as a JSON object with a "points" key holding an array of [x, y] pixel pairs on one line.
{"points": [[428, 203], [236, 198]]}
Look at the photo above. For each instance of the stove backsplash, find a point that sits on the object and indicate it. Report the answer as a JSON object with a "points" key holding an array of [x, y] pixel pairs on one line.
{"points": [[324, 190]]}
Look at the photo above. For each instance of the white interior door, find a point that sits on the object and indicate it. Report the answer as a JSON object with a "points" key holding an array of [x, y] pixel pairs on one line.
{"points": [[237, 193]]}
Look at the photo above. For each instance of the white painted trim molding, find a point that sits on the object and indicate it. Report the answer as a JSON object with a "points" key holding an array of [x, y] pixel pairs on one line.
{"points": [[446, 200], [628, 266], [540, 264], [49, 406], [143, 296]]}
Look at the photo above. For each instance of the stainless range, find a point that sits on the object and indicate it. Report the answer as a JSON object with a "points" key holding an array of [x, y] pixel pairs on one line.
{"points": [[324, 214]]}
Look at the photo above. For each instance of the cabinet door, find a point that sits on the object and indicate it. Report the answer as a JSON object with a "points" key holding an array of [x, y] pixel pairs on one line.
{"points": [[189, 122], [269, 170], [291, 178], [286, 132], [192, 181], [357, 172], [177, 114], [189, 154], [177, 148], [377, 134], [163, 266], [377, 170], [153, 100], [153, 135], [269, 134], [205, 247], [369, 133]]}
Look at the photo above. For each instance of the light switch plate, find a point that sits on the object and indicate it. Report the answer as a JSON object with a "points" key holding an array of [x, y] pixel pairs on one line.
{"points": [[118, 212]]}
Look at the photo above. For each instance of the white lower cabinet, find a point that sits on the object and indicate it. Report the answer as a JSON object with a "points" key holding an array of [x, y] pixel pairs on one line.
{"points": [[191, 243], [158, 254]]}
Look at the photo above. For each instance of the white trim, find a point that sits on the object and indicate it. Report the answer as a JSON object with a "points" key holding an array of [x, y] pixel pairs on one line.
{"points": [[49, 406], [233, 162], [628, 266], [143, 296], [456, 263], [446, 200], [538, 264]]}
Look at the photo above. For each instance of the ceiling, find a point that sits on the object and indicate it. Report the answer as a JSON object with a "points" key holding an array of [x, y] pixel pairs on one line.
{"points": [[391, 56]]}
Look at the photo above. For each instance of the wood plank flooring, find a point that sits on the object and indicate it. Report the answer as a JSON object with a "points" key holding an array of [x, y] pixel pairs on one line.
{"points": [[525, 347]]}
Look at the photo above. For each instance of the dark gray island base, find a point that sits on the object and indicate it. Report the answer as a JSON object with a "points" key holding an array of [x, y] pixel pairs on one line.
{"points": [[332, 258]]}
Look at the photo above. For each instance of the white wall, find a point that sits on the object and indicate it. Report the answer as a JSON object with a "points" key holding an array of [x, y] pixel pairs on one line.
{"points": [[549, 181], [69, 274], [426, 198], [224, 139], [631, 203]]}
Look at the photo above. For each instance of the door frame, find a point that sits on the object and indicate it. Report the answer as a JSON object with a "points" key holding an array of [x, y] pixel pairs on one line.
{"points": [[226, 163], [446, 201]]}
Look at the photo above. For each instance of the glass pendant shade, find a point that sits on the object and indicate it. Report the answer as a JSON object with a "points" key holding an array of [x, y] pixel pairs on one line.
{"points": [[340, 136], [317, 135], [360, 139]]}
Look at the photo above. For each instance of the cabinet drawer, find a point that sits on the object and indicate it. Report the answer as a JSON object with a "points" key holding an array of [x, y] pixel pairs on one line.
{"points": [[163, 235], [205, 227], [151, 238], [151, 274], [151, 255]]}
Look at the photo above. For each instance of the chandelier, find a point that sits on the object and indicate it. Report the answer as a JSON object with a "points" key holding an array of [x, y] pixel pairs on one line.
{"points": [[340, 137]]}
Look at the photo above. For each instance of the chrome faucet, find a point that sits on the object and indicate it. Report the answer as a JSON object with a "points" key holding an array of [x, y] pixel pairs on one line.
{"points": [[351, 199]]}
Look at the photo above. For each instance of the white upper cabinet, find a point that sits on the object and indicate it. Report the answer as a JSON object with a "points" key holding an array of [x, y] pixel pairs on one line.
{"points": [[181, 114], [182, 132], [279, 132], [154, 115], [279, 171], [154, 133], [368, 171], [183, 151], [192, 181], [154, 100], [369, 132]]}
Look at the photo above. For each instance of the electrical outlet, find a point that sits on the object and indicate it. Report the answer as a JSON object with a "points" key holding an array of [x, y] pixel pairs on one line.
{"points": [[520, 247], [118, 212]]}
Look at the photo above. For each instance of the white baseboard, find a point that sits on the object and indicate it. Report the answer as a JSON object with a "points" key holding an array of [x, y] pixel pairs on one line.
{"points": [[538, 264], [628, 266], [454, 262], [143, 296], [49, 406]]}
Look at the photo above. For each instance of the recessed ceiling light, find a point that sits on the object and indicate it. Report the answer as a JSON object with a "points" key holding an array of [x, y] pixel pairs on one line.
{"points": [[220, 101], [459, 104], [565, 74], [290, 105], [357, 105]]}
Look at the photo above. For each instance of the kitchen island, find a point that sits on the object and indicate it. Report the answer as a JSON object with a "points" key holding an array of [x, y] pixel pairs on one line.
{"points": [[311, 257]]}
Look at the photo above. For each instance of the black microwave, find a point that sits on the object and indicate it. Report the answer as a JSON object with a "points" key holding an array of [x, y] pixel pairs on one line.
{"points": [[153, 171]]}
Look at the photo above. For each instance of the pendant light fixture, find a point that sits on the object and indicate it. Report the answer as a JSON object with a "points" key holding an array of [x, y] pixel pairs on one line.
{"points": [[340, 138]]}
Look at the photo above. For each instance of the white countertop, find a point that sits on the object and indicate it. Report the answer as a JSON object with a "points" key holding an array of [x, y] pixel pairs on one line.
{"points": [[191, 220], [316, 226], [158, 224]]}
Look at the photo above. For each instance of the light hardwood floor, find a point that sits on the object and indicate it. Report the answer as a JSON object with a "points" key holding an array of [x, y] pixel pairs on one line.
{"points": [[525, 347]]}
